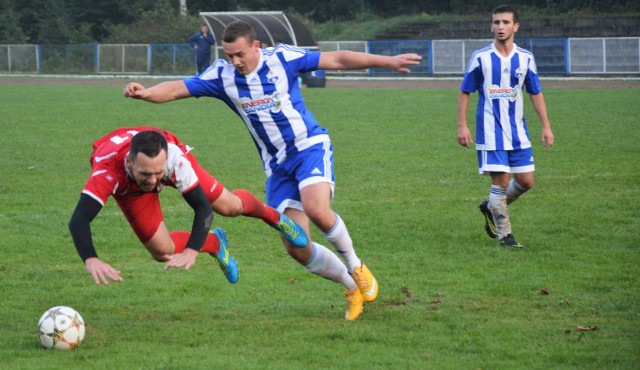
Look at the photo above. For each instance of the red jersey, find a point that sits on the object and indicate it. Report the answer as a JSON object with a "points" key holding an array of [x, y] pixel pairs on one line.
{"points": [[109, 173]]}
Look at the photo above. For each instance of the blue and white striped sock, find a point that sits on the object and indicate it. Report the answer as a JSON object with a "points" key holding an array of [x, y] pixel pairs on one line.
{"points": [[514, 191]]}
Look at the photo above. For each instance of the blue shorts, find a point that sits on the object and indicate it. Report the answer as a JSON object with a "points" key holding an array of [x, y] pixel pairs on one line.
{"points": [[509, 161], [310, 166]]}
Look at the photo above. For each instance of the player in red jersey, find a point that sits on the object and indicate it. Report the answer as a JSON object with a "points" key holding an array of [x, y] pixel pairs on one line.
{"points": [[133, 165]]}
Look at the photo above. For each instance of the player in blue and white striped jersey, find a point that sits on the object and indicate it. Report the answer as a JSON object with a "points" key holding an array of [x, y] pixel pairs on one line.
{"points": [[498, 72], [261, 87]]}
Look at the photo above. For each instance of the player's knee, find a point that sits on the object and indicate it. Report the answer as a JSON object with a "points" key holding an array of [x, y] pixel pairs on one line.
{"points": [[159, 257], [320, 217], [525, 184], [228, 205], [228, 210]]}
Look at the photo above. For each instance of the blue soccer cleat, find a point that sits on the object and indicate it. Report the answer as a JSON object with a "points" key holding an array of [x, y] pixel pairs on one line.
{"points": [[227, 264], [292, 231]]}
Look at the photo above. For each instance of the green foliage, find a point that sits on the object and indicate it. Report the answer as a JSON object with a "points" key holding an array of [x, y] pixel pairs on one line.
{"points": [[158, 21], [56, 24], [160, 25], [364, 28], [10, 31], [155, 28], [450, 298], [369, 26]]}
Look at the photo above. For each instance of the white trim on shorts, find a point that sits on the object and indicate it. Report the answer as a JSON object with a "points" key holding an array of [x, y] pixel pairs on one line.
{"points": [[486, 169]]}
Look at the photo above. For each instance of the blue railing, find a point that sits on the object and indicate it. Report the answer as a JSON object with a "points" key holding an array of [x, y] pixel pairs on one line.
{"points": [[554, 56]]}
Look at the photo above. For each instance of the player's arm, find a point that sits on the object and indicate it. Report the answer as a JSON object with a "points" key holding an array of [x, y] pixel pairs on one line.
{"points": [[464, 135], [192, 40], [541, 109], [347, 60], [202, 219], [160, 93], [80, 227]]}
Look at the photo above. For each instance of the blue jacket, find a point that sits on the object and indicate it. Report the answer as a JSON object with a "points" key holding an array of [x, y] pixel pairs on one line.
{"points": [[203, 43]]}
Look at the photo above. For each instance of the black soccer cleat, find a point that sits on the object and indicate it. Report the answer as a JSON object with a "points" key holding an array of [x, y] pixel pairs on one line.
{"points": [[510, 242], [489, 224]]}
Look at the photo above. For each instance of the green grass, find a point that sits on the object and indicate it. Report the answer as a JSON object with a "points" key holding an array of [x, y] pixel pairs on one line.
{"points": [[449, 297]]}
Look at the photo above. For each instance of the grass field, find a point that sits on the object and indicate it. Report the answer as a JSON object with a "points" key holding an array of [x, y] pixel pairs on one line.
{"points": [[450, 298]]}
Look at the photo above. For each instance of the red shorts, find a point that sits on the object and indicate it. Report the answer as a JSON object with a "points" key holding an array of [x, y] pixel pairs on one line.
{"points": [[144, 213]]}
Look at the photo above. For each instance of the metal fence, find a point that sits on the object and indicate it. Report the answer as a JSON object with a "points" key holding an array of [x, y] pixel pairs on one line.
{"points": [[570, 56]]}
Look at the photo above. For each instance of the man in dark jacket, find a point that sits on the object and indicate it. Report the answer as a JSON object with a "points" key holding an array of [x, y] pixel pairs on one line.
{"points": [[202, 42]]}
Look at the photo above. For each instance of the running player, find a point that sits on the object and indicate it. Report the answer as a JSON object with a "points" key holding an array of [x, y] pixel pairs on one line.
{"points": [[133, 165], [260, 85], [498, 72]]}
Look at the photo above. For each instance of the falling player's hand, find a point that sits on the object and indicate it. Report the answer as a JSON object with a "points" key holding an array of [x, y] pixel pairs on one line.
{"points": [[101, 272], [185, 260]]}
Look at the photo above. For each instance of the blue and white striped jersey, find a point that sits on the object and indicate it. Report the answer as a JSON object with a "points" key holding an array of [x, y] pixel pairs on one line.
{"points": [[500, 122], [268, 100]]}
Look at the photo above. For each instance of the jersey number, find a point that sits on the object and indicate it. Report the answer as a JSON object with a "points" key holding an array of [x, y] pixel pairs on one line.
{"points": [[119, 139]]}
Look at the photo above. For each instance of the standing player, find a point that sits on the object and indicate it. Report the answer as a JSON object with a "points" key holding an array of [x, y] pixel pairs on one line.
{"points": [[498, 73], [133, 165], [260, 85]]}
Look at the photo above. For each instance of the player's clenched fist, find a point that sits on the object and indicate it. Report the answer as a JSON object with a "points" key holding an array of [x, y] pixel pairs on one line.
{"points": [[134, 90]]}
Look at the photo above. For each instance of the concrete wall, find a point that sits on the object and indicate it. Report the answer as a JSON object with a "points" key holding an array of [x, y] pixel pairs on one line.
{"points": [[529, 28]]}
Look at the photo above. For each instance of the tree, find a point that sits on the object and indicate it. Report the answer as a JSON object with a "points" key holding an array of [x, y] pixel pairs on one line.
{"points": [[162, 25], [10, 31], [55, 24], [385, 8], [83, 21]]}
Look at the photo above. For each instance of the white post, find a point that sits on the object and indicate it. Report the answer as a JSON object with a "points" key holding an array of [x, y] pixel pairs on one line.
{"points": [[604, 55], [183, 8]]}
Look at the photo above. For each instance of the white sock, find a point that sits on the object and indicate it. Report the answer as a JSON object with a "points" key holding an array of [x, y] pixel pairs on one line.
{"points": [[498, 205], [326, 264], [339, 237], [514, 191]]}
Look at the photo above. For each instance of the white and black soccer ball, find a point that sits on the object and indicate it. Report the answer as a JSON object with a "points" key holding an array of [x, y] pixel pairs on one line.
{"points": [[61, 327]]}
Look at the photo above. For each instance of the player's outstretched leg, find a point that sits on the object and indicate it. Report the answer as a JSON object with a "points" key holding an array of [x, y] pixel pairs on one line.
{"points": [[366, 282], [489, 223], [252, 207], [227, 264], [292, 231]]}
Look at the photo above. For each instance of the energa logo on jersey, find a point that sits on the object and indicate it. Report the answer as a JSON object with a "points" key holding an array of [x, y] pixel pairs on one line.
{"points": [[497, 92], [267, 103]]}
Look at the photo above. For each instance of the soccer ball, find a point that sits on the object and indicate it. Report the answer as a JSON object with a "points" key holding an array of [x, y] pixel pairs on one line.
{"points": [[61, 327]]}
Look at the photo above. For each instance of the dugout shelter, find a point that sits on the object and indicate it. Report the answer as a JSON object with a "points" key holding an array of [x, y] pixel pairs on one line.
{"points": [[272, 28]]}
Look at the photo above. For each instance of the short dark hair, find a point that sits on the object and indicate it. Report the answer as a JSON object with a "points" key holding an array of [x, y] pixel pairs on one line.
{"points": [[237, 29], [148, 142], [505, 8]]}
